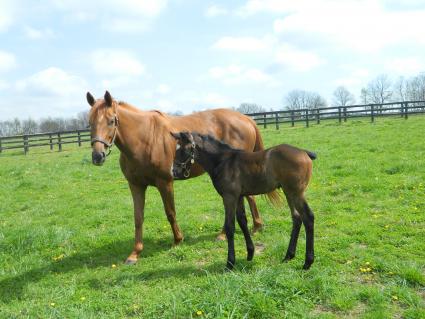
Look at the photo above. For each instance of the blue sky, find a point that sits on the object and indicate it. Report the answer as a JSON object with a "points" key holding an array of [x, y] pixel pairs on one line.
{"points": [[187, 55]]}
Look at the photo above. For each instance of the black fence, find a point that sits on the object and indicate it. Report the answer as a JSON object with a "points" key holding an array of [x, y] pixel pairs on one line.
{"points": [[340, 113], [265, 119]]}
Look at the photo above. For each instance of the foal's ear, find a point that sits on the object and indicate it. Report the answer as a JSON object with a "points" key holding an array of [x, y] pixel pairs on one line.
{"points": [[177, 136], [108, 98], [90, 99], [186, 137]]}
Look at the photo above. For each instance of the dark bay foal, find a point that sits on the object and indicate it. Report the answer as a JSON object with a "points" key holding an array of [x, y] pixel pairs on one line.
{"points": [[236, 173]]}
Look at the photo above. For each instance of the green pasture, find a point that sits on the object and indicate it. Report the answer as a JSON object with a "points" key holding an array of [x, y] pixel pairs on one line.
{"points": [[66, 227]]}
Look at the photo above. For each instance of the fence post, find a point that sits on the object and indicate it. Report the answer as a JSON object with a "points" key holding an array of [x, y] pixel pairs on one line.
{"points": [[339, 114], [277, 120], [318, 116], [25, 144], [372, 113], [51, 141], [292, 119], [79, 138], [59, 142], [345, 114], [264, 121], [306, 118], [406, 110]]}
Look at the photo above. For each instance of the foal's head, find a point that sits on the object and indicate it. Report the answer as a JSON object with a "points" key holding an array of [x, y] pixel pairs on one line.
{"points": [[193, 147], [103, 121]]}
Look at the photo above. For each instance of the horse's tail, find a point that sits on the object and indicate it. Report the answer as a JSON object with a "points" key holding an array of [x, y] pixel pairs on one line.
{"points": [[312, 155], [259, 146], [275, 198]]}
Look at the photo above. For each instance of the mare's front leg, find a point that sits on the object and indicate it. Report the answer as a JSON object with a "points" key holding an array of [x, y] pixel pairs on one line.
{"points": [[230, 203], [138, 194], [166, 190], [243, 224]]}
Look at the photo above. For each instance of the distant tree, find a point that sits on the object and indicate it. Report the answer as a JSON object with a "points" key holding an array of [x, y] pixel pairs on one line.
{"points": [[416, 88], [29, 126], [300, 99], [379, 89], [343, 97], [364, 99], [83, 119], [247, 108], [48, 125]]}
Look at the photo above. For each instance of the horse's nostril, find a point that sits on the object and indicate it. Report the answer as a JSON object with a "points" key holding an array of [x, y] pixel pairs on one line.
{"points": [[98, 157]]}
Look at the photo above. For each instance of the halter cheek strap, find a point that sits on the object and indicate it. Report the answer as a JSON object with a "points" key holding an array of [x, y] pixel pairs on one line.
{"points": [[101, 140], [186, 165]]}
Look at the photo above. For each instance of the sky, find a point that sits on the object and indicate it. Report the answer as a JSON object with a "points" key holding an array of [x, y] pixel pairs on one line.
{"points": [[190, 55]]}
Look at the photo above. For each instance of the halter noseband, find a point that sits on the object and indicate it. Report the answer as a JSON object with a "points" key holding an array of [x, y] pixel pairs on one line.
{"points": [[101, 140], [186, 165]]}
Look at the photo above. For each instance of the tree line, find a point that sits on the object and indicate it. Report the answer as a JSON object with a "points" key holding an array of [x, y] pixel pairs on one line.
{"points": [[382, 89]]}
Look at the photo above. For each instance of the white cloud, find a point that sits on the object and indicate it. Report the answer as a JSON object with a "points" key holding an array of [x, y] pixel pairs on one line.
{"points": [[404, 66], [236, 74], [35, 34], [297, 60], [123, 16], [7, 61], [53, 81], [244, 44], [356, 24], [7, 14], [111, 62], [267, 6], [354, 79], [163, 89], [215, 10]]}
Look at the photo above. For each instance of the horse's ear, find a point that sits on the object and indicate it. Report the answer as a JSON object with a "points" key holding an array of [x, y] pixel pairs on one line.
{"points": [[108, 98], [177, 136], [90, 99], [186, 137]]}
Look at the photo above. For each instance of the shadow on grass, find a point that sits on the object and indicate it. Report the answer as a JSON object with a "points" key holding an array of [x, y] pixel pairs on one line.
{"points": [[104, 256]]}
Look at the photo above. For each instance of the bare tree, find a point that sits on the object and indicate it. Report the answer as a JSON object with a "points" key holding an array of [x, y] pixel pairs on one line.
{"points": [[416, 88], [300, 99], [379, 89], [29, 126], [401, 88], [343, 97], [247, 108], [364, 99]]}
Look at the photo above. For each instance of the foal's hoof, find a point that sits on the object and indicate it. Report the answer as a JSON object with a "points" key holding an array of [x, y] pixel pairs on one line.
{"points": [[288, 257], [130, 261], [257, 228], [250, 254], [229, 266], [221, 237], [306, 266]]}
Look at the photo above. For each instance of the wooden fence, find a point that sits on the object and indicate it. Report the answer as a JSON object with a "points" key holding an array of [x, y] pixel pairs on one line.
{"points": [[340, 113], [51, 139], [265, 119]]}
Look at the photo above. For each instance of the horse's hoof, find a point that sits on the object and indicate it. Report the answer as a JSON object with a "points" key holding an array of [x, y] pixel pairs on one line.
{"points": [[288, 257], [257, 229], [306, 266], [229, 266], [130, 261], [221, 237]]}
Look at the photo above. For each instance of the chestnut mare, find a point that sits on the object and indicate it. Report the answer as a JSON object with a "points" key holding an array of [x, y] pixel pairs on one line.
{"points": [[148, 149]]}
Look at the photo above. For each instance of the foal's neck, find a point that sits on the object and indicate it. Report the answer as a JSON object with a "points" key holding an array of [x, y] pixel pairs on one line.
{"points": [[210, 160]]}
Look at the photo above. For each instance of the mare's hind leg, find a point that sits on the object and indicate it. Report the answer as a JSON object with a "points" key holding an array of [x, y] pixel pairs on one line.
{"points": [[308, 221], [167, 194], [296, 226], [243, 224], [256, 219]]}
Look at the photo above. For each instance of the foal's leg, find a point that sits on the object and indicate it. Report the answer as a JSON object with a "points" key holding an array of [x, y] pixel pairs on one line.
{"points": [[230, 204], [308, 221], [167, 194], [138, 194], [256, 219], [243, 224], [296, 226]]}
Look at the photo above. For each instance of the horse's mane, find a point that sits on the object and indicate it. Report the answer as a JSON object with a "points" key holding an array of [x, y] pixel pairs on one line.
{"points": [[221, 146]]}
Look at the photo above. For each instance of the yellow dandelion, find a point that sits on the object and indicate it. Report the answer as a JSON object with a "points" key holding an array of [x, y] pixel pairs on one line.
{"points": [[387, 226], [83, 298], [368, 269], [199, 312], [200, 228], [390, 273], [367, 263], [114, 266], [395, 297], [52, 304]]}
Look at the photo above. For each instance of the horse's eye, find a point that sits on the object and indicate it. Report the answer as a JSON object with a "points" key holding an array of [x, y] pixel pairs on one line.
{"points": [[111, 122]]}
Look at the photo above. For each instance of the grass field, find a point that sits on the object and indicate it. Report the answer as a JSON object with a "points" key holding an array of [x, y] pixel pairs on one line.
{"points": [[66, 227]]}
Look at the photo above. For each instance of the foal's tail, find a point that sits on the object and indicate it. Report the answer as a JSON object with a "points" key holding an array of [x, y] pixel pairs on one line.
{"points": [[275, 198], [312, 155]]}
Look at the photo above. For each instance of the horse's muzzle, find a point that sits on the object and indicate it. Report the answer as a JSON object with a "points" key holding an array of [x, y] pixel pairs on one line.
{"points": [[98, 158]]}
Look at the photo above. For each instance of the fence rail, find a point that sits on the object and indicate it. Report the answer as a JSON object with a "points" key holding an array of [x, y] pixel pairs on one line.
{"points": [[265, 119], [340, 113]]}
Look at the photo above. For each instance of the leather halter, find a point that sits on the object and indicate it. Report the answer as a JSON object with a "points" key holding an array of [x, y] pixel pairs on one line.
{"points": [[186, 164], [101, 140]]}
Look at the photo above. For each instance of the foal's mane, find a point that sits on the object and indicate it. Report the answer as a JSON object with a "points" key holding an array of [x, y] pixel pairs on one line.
{"points": [[221, 146]]}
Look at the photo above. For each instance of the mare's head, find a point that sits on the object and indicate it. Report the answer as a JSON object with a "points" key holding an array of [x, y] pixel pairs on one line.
{"points": [[103, 121], [193, 147]]}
